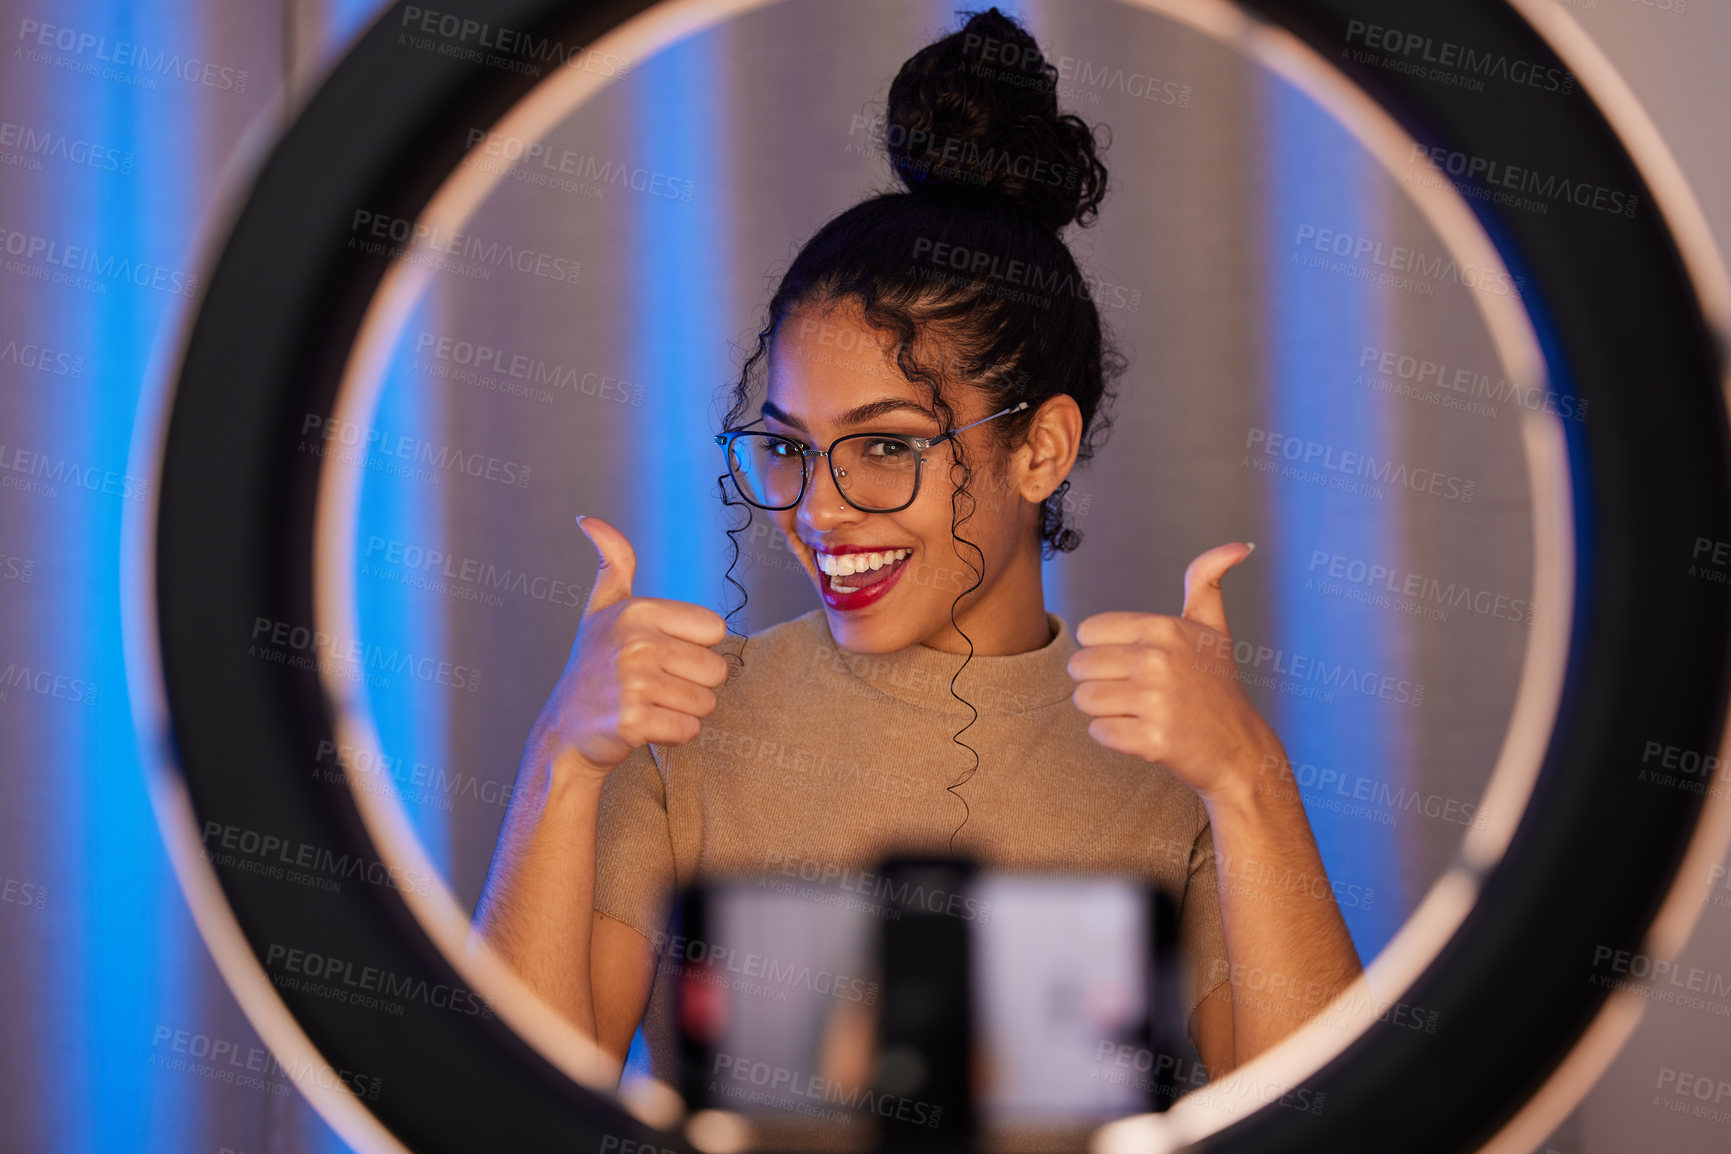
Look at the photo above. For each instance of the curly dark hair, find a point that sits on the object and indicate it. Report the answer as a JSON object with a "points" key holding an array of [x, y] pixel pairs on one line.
{"points": [[969, 254]]}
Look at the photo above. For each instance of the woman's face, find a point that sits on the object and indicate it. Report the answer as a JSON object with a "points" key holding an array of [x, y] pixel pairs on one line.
{"points": [[831, 374]]}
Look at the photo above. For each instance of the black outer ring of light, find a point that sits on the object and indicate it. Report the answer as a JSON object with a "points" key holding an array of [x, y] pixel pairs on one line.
{"points": [[1595, 852]]}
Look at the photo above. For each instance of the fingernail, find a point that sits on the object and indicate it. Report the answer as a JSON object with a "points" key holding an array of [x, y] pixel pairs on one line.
{"points": [[1252, 544], [580, 517]]}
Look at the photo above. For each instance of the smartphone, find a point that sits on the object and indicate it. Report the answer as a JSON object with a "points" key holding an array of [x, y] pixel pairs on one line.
{"points": [[776, 999], [927, 1004], [1077, 1001]]}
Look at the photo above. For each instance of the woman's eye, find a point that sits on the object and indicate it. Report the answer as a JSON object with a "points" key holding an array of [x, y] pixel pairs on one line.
{"points": [[885, 449], [784, 449]]}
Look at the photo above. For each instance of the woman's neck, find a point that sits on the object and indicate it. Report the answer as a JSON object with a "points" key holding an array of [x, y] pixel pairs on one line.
{"points": [[1012, 619]]}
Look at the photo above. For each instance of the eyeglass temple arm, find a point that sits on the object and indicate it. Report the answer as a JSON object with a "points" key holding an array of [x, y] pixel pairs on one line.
{"points": [[928, 442]]}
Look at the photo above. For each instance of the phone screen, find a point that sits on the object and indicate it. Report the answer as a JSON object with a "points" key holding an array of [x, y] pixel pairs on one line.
{"points": [[936, 1002], [1063, 983], [778, 997]]}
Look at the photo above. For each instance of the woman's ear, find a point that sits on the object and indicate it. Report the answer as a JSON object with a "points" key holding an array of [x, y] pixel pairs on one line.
{"points": [[1054, 439]]}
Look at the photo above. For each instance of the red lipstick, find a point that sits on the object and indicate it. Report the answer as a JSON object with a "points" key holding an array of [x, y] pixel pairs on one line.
{"points": [[849, 599]]}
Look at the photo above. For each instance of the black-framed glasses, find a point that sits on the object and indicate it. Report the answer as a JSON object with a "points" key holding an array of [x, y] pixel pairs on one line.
{"points": [[874, 472]]}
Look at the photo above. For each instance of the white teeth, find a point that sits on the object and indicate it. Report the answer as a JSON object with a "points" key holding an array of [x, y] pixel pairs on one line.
{"points": [[847, 564]]}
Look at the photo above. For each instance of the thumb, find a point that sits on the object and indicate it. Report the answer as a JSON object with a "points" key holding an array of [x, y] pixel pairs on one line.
{"points": [[1203, 601], [618, 564]]}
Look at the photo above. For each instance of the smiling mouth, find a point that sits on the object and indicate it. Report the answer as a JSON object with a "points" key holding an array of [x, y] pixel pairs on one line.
{"points": [[845, 572]]}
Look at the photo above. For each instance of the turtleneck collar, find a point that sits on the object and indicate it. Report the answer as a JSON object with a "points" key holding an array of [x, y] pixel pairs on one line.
{"points": [[995, 685]]}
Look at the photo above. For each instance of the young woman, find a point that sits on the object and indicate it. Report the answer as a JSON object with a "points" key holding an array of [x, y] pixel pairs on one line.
{"points": [[935, 370]]}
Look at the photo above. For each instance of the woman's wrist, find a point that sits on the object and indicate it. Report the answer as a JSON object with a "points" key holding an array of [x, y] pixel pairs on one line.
{"points": [[572, 772], [1259, 787], [553, 768]]}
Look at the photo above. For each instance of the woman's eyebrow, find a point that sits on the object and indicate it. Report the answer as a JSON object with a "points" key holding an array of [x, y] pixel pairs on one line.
{"points": [[870, 411]]}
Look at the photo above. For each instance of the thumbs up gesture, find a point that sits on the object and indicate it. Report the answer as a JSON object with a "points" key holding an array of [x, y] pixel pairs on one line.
{"points": [[641, 669], [1166, 688]]}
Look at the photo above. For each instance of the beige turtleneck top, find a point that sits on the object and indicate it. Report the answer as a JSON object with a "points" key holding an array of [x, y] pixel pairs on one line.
{"points": [[816, 762]]}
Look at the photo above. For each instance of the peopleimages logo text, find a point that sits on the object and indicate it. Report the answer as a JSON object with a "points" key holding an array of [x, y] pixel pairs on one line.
{"points": [[376, 228], [1548, 186], [517, 47], [107, 266], [1399, 258], [376, 980], [1470, 60], [1360, 465]]}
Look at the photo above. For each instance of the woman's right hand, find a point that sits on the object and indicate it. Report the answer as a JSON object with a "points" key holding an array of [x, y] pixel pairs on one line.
{"points": [[641, 669]]}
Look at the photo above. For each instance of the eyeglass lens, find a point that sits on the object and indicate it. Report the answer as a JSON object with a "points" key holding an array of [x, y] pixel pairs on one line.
{"points": [[873, 472]]}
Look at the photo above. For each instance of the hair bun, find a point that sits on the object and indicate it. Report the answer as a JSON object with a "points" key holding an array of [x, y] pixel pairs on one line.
{"points": [[974, 116]]}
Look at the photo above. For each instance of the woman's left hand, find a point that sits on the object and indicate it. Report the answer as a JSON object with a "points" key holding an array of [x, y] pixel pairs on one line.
{"points": [[1166, 688]]}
